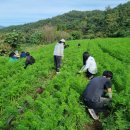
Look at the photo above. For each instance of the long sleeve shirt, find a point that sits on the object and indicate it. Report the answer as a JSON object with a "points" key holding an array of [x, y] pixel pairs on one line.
{"points": [[59, 49], [90, 65]]}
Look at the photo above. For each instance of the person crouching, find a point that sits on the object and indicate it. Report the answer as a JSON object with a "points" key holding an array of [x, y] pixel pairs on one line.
{"points": [[29, 60]]}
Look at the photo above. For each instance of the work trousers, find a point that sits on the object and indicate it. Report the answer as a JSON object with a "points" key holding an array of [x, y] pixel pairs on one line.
{"points": [[98, 106], [57, 62]]}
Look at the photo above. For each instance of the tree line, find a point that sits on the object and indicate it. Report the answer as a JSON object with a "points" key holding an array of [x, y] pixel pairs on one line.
{"points": [[75, 25]]}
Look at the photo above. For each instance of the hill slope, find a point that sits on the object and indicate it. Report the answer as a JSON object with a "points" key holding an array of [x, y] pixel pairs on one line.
{"points": [[111, 22], [1, 27]]}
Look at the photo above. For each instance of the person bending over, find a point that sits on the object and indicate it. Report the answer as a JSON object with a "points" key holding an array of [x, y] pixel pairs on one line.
{"points": [[89, 65], [29, 60], [98, 93]]}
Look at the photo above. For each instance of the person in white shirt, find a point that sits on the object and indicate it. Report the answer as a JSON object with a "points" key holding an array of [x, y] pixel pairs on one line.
{"points": [[58, 54], [89, 65]]}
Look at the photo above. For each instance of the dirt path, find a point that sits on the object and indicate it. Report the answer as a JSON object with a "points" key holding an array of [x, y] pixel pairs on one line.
{"points": [[97, 125]]}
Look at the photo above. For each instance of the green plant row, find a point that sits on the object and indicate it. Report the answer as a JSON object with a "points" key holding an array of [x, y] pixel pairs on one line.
{"points": [[59, 107]]}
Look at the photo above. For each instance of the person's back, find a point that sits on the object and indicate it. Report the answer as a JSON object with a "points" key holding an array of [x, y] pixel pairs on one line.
{"points": [[91, 65], [98, 94], [95, 89], [29, 60], [58, 50], [32, 60]]}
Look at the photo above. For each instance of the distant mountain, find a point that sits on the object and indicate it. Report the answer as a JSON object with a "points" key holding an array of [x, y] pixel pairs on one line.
{"points": [[109, 23], [1, 27]]}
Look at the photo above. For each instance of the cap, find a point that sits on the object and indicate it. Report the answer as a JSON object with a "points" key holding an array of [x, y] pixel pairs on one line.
{"points": [[62, 40]]}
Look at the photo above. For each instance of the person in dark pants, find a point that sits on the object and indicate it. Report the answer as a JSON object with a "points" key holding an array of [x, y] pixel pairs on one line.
{"points": [[98, 94], [57, 62], [89, 65], [29, 60], [58, 54]]}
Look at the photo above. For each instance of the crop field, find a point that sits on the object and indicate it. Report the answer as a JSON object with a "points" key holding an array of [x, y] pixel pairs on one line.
{"points": [[58, 107]]}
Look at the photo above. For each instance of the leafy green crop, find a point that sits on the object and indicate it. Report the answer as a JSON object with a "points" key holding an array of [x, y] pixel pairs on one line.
{"points": [[58, 107]]}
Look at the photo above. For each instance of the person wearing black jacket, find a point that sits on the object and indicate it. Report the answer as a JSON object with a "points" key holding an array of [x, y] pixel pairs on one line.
{"points": [[29, 60], [98, 93]]}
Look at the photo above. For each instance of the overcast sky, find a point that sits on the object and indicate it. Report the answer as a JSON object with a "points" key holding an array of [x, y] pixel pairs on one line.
{"points": [[15, 12]]}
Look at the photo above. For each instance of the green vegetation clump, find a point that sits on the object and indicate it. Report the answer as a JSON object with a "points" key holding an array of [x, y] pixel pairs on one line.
{"points": [[14, 39]]}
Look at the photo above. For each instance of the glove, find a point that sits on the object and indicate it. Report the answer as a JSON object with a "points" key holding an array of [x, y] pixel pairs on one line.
{"points": [[110, 95], [79, 72]]}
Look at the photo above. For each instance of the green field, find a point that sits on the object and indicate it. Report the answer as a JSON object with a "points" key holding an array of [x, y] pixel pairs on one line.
{"points": [[58, 107]]}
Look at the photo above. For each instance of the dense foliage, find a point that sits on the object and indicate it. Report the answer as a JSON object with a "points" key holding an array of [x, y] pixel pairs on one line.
{"points": [[14, 39], [58, 107]]}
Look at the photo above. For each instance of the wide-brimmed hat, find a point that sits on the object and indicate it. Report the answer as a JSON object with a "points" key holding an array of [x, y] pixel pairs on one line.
{"points": [[62, 40]]}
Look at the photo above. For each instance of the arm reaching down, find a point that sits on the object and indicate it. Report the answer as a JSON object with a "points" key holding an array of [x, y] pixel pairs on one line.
{"points": [[82, 69], [109, 93], [108, 88]]}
